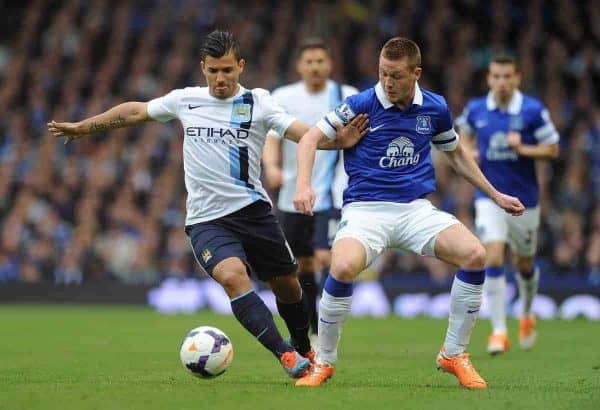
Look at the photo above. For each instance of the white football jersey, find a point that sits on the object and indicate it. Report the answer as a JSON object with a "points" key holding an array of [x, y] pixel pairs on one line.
{"points": [[222, 146], [310, 108]]}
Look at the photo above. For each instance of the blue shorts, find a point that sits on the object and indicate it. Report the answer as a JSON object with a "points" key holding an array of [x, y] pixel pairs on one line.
{"points": [[308, 233], [251, 234]]}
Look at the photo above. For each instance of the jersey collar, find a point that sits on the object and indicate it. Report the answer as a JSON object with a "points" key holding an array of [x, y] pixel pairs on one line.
{"points": [[387, 104], [514, 106]]}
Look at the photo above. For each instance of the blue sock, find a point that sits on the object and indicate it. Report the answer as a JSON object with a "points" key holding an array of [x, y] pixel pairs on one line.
{"points": [[494, 271], [474, 277], [253, 314], [336, 288]]}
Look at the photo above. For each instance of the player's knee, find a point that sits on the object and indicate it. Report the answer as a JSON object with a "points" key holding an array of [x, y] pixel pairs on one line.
{"points": [[343, 270], [525, 266], [232, 276], [234, 283], [476, 257]]}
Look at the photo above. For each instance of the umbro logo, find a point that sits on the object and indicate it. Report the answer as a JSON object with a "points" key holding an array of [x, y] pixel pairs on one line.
{"points": [[193, 107]]}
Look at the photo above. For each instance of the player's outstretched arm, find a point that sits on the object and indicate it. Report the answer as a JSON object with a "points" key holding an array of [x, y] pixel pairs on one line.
{"points": [[304, 199], [464, 164], [122, 115], [539, 151], [471, 145], [270, 159], [346, 136]]}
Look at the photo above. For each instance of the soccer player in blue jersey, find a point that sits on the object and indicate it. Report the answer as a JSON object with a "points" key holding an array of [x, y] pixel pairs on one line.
{"points": [[308, 100], [511, 130], [229, 220], [390, 172]]}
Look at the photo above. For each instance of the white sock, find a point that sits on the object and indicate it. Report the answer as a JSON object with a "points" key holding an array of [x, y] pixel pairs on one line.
{"points": [[528, 289], [465, 301], [495, 290], [333, 312]]}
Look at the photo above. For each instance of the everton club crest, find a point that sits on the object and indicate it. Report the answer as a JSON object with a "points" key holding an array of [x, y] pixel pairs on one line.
{"points": [[424, 124]]}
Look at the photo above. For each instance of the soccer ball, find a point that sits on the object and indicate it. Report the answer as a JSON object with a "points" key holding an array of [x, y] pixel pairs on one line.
{"points": [[206, 352]]}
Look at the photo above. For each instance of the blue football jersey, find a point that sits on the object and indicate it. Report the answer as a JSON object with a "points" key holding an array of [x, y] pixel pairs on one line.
{"points": [[392, 163], [510, 173]]}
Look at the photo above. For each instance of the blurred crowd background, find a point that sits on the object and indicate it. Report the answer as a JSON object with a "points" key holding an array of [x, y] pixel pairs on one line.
{"points": [[111, 207]]}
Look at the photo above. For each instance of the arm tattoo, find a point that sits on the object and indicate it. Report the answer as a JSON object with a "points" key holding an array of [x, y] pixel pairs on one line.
{"points": [[111, 125]]}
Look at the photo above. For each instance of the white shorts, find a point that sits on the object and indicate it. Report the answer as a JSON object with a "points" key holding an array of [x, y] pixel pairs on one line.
{"points": [[379, 225], [493, 224]]}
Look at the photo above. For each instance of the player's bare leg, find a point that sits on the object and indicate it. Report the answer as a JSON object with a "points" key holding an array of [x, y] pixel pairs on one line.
{"points": [[250, 310], [495, 289], [348, 260], [458, 246], [528, 277]]}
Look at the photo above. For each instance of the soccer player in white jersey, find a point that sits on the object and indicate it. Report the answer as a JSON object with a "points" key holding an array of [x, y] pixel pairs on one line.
{"points": [[229, 221], [308, 100], [390, 172], [511, 130]]}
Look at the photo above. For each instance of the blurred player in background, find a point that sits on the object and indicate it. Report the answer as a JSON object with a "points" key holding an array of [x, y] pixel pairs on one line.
{"points": [[390, 173], [512, 130], [229, 220], [308, 100]]}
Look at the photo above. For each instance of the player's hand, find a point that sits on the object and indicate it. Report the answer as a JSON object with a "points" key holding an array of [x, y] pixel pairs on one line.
{"points": [[349, 135], [273, 176], [509, 203], [304, 200], [70, 130], [513, 138]]}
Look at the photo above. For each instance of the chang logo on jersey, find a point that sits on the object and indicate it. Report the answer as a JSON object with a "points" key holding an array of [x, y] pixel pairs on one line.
{"points": [[498, 149], [210, 132], [400, 153]]}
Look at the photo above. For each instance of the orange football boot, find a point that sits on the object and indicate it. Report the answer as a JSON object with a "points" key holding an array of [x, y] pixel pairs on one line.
{"points": [[527, 332], [317, 375], [295, 365], [462, 368], [498, 343]]}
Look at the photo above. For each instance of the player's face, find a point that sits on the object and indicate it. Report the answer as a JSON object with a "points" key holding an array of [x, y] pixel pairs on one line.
{"points": [[222, 75], [503, 79], [398, 79], [314, 66]]}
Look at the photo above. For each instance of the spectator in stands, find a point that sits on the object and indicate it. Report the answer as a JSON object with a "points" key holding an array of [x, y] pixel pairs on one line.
{"points": [[60, 205]]}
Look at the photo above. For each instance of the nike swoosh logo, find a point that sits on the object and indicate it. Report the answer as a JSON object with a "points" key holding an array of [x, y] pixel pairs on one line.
{"points": [[329, 323], [473, 311], [373, 129], [193, 107]]}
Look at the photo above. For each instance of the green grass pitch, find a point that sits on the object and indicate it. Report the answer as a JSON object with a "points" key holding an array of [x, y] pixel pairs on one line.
{"points": [[69, 357]]}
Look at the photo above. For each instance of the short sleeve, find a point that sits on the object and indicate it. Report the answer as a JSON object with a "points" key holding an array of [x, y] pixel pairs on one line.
{"points": [[544, 130], [165, 108], [276, 94], [342, 115], [276, 118], [445, 139]]}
